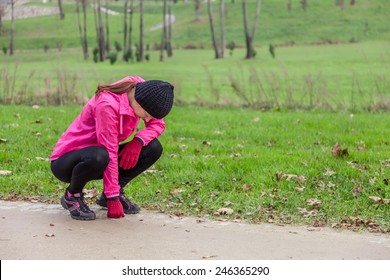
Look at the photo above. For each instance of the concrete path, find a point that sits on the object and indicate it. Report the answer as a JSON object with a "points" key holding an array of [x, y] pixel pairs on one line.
{"points": [[36, 231]]}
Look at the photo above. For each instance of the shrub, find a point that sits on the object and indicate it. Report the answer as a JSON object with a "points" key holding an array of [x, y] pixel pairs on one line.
{"points": [[112, 57], [95, 53], [128, 55], [231, 46], [118, 46]]}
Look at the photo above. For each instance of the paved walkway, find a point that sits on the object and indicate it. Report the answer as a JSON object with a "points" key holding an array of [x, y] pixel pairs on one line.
{"points": [[41, 231]]}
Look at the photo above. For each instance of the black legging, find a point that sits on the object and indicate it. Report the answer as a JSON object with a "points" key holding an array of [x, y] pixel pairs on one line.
{"points": [[87, 164]]}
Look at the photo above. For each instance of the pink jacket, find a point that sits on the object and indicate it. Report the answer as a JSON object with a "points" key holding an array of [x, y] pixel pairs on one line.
{"points": [[107, 120]]}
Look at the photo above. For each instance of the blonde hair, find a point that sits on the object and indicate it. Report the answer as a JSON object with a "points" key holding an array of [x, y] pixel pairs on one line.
{"points": [[117, 88]]}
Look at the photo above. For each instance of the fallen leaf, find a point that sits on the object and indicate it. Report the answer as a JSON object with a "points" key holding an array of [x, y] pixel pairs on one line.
{"points": [[235, 155], [5, 172], [176, 191], [314, 202], [207, 143], [306, 213], [288, 177], [337, 151], [224, 211], [329, 172], [91, 193], [209, 257], [41, 158], [380, 200], [246, 188], [361, 148], [357, 189]]}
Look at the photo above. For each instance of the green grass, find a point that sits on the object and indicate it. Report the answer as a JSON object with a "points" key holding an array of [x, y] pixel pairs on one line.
{"points": [[323, 21], [351, 77], [211, 154]]}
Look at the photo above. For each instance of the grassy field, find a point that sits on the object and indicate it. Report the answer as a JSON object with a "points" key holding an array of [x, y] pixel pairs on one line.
{"points": [[263, 166], [323, 21], [351, 77]]}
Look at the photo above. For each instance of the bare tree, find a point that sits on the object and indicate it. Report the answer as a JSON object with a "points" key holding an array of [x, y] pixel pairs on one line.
{"points": [[289, 5], [213, 37], [107, 41], [249, 37], [11, 43], [125, 27], [197, 10], [130, 50], [140, 49], [83, 26], [222, 22], [62, 14], [340, 4], [2, 14], [100, 31], [304, 5], [164, 34], [169, 39]]}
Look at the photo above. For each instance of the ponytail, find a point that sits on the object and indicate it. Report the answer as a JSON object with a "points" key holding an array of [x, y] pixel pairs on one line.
{"points": [[117, 88]]}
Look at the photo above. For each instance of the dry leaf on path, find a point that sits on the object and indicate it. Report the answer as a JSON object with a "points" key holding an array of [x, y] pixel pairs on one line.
{"points": [[209, 257]]}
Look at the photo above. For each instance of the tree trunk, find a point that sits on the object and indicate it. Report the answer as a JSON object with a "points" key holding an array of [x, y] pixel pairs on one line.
{"points": [[62, 14], [131, 30], [222, 20], [80, 28], [289, 5], [213, 39], [83, 27], [2, 12], [107, 30], [11, 44], [249, 37], [102, 54], [125, 11], [197, 10], [169, 42], [140, 52], [164, 33], [84, 6]]}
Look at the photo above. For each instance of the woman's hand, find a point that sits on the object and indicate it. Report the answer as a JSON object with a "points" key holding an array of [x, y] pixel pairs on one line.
{"points": [[130, 154], [115, 208]]}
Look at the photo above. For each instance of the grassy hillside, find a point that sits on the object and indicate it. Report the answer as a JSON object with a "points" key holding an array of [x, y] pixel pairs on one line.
{"points": [[322, 21]]}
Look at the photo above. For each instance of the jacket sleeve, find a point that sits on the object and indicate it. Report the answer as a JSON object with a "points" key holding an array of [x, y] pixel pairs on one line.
{"points": [[107, 123], [153, 129]]}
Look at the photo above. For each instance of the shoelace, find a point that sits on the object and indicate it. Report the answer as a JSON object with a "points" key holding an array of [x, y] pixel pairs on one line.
{"points": [[83, 205]]}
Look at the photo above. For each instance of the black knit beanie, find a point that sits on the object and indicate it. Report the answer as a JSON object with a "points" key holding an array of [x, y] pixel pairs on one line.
{"points": [[155, 97]]}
